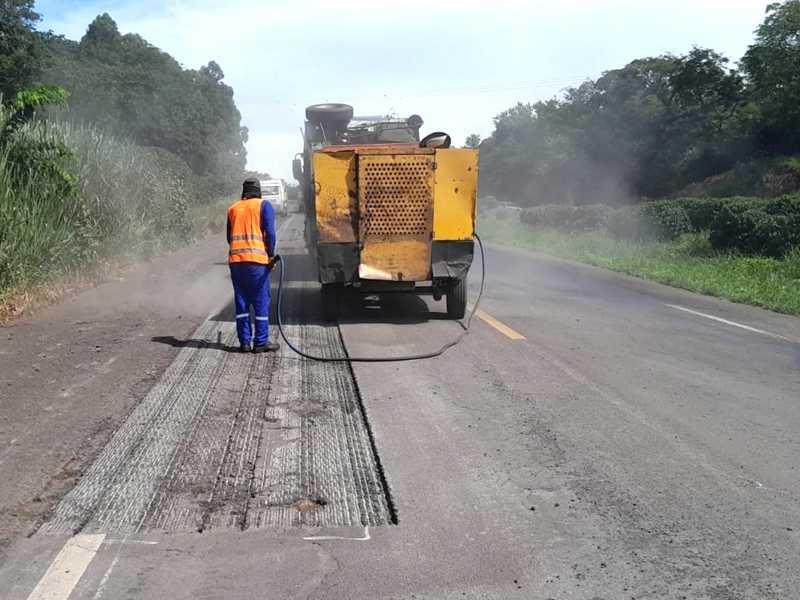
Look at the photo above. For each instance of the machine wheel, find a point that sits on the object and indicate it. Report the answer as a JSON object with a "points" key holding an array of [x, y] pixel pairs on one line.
{"points": [[457, 299], [329, 112], [330, 301]]}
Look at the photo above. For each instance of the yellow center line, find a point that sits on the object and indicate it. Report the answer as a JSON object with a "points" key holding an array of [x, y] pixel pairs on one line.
{"points": [[499, 325]]}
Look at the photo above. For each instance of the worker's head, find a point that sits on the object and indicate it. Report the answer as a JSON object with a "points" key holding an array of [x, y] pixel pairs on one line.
{"points": [[251, 188]]}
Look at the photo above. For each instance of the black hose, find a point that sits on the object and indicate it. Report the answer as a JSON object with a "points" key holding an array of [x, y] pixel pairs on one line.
{"points": [[373, 359]]}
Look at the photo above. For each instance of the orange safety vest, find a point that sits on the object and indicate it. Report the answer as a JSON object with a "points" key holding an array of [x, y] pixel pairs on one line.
{"points": [[247, 239]]}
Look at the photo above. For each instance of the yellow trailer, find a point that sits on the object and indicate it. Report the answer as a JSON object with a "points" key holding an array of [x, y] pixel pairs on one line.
{"points": [[387, 217]]}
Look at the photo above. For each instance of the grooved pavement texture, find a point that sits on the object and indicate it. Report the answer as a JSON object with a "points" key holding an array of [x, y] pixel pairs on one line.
{"points": [[236, 440]]}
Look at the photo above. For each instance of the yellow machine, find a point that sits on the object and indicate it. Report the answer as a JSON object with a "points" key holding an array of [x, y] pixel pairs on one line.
{"points": [[388, 216]]}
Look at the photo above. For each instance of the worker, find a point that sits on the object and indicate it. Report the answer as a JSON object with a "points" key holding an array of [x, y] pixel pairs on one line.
{"points": [[251, 237]]}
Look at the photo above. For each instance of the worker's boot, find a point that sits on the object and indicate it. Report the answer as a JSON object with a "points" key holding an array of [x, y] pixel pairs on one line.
{"points": [[268, 347], [244, 348]]}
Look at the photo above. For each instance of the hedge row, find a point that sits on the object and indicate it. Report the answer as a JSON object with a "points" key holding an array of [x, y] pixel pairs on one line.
{"points": [[754, 226], [767, 228]]}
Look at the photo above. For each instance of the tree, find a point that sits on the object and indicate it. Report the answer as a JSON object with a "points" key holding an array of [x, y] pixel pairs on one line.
{"points": [[25, 105], [29, 152], [707, 109], [20, 47], [213, 72], [260, 175], [772, 69], [102, 36], [131, 88], [473, 141], [646, 129]]}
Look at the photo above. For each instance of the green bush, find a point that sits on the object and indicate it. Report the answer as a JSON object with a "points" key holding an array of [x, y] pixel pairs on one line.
{"points": [[695, 245], [700, 211], [665, 219], [750, 226], [590, 217], [635, 223], [763, 227], [567, 218], [654, 220]]}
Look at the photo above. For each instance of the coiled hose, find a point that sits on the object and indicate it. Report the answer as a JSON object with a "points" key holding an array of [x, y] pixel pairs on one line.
{"points": [[375, 359]]}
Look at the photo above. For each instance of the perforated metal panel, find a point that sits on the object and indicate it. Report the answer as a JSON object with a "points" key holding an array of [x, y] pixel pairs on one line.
{"points": [[396, 195], [395, 215]]}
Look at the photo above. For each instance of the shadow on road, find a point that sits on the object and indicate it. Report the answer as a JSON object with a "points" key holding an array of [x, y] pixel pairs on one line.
{"points": [[302, 304], [395, 309], [302, 301], [170, 340]]}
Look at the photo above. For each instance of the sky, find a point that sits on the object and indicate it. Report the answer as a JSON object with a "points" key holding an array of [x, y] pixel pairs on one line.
{"points": [[457, 63]]}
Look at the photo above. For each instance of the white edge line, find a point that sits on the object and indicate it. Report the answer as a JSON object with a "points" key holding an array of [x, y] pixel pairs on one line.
{"points": [[727, 322], [67, 567], [322, 538], [101, 588]]}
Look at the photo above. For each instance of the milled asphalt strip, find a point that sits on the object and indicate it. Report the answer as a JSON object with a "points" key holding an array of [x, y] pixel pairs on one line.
{"points": [[130, 497], [731, 323], [227, 440], [136, 484], [78, 506], [141, 450], [67, 568], [239, 441]]}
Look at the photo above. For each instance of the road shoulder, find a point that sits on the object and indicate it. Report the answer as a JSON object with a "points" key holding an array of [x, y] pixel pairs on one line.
{"points": [[761, 318], [74, 371]]}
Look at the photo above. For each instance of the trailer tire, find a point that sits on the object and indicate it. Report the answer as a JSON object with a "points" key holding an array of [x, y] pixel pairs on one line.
{"points": [[457, 298], [330, 111], [330, 301]]}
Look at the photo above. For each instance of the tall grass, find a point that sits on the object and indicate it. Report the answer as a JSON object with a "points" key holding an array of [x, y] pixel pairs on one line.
{"points": [[44, 225], [72, 194], [138, 198]]}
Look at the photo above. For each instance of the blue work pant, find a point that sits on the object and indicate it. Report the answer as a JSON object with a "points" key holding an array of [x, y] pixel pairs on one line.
{"points": [[251, 288]]}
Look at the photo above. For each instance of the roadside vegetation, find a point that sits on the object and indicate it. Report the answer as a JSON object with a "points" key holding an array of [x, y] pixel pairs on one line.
{"points": [[130, 89], [687, 260], [681, 169], [109, 152], [84, 200], [660, 126]]}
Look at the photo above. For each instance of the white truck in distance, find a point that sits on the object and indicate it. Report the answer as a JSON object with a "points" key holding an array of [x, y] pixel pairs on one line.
{"points": [[274, 190]]}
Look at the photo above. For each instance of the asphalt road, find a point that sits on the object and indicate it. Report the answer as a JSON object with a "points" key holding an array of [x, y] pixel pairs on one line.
{"points": [[593, 437]]}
